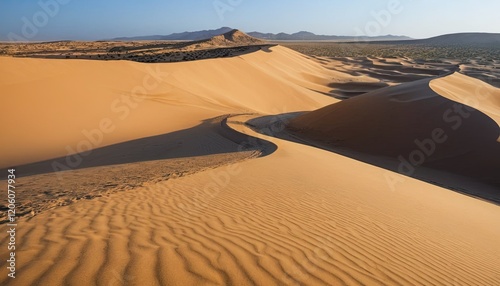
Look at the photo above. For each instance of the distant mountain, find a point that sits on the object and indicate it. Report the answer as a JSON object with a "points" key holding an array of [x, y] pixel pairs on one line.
{"points": [[459, 39], [308, 36], [184, 36], [476, 39], [300, 36]]}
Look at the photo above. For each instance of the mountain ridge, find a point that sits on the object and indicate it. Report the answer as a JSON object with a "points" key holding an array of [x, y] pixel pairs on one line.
{"points": [[299, 36], [308, 36], [473, 39]]}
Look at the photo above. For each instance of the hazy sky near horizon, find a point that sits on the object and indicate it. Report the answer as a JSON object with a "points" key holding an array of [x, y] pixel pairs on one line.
{"points": [[98, 19]]}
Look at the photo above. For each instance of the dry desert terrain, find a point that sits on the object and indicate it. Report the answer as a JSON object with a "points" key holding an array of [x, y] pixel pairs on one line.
{"points": [[250, 165]]}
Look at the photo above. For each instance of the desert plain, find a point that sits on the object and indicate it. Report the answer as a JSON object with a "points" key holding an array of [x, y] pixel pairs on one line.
{"points": [[234, 161]]}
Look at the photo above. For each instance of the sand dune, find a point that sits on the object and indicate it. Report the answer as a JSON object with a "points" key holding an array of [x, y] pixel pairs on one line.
{"points": [[231, 38], [185, 190], [235, 226], [357, 76], [137, 100], [470, 91], [410, 128]]}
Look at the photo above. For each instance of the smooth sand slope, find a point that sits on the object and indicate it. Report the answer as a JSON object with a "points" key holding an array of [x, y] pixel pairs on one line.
{"points": [[296, 215]]}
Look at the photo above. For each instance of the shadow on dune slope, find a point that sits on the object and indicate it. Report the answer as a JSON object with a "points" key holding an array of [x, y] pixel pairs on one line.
{"points": [[412, 130], [212, 136]]}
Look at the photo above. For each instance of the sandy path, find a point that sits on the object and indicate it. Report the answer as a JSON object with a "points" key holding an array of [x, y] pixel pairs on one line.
{"points": [[337, 224]]}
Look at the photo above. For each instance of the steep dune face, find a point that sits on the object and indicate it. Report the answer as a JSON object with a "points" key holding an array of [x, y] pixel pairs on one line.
{"points": [[410, 129], [102, 103]]}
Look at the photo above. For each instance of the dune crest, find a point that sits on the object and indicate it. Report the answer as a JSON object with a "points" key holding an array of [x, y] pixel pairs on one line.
{"points": [[232, 38], [472, 92]]}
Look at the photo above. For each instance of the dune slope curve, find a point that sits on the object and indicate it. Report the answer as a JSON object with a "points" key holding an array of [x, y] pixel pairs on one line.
{"points": [[414, 130]]}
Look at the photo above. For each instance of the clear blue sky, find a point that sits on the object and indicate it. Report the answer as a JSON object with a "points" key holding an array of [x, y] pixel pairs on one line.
{"points": [[102, 19]]}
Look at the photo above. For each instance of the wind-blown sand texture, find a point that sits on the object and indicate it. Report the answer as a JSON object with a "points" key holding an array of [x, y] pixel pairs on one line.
{"points": [[213, 201]]}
